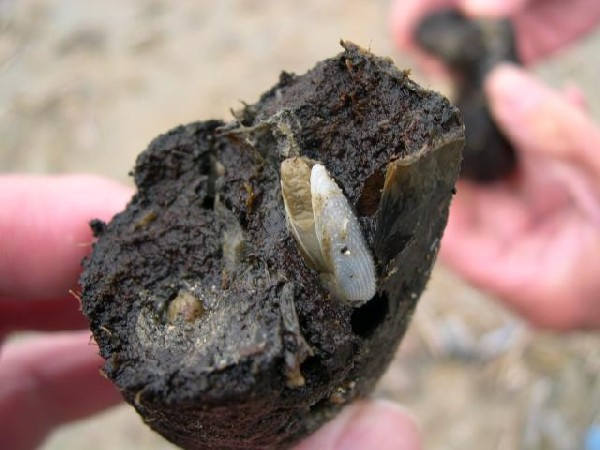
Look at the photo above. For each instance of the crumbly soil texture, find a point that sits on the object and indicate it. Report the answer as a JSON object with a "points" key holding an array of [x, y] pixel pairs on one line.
{"points": [[210, 322]]}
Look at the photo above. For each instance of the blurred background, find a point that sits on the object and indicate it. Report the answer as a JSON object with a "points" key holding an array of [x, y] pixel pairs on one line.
{"points": [[85, 86]]}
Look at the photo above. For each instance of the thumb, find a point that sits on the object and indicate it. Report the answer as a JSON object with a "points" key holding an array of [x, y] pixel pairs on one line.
{"points": [[540, 121]]}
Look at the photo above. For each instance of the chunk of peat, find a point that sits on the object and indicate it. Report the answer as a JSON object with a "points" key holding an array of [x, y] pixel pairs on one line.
{"points": [[211, 321]]}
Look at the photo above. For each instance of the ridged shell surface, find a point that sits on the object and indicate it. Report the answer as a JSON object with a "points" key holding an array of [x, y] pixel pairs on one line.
{"points": [[351, 274]]}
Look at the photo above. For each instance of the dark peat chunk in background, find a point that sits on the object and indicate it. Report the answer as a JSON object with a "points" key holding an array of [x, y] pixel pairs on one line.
{"points": [[471, 48]]}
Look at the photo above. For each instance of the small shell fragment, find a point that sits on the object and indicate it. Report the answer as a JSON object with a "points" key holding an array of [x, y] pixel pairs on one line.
{"points": [[327, 231]]}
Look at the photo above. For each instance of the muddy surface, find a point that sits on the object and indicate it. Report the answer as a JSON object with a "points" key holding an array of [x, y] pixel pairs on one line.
{"points": [[210, 322]]}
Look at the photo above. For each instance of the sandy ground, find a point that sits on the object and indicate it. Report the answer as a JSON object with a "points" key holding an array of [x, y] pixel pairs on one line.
{"points": [[84, 86]]}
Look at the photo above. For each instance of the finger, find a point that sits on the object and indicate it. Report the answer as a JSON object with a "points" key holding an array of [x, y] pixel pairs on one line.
{"points": [[44, 231], [46, 382], [494, 8], [367, 424], [540, 121], [41, 315]]}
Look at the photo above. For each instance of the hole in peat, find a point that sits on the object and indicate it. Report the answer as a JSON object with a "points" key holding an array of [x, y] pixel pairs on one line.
{"points": [[312, 367], [366, 318], [322, 405], [208, 202]]}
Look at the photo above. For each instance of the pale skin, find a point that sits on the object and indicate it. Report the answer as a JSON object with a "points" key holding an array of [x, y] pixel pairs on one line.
{"points": [[538, 249]]}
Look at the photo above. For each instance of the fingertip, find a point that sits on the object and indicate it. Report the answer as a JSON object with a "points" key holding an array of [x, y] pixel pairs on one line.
{"points": [[513, 91], [513, 94], [508, 83], [367, 424], [113, 194], [383, 425], [537, 119], [46, 218]]}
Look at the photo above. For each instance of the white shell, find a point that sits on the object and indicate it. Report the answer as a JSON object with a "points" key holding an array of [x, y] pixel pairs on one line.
{"points": [[340, 237], [327, 231]]}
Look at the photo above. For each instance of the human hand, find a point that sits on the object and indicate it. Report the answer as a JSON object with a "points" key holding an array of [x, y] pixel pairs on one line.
{"points": [[534, 240], [541, 26], [54, 378]]}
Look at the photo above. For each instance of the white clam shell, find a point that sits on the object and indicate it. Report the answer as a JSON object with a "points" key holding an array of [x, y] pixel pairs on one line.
{"points": [[342, 244], [327, 231]]}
